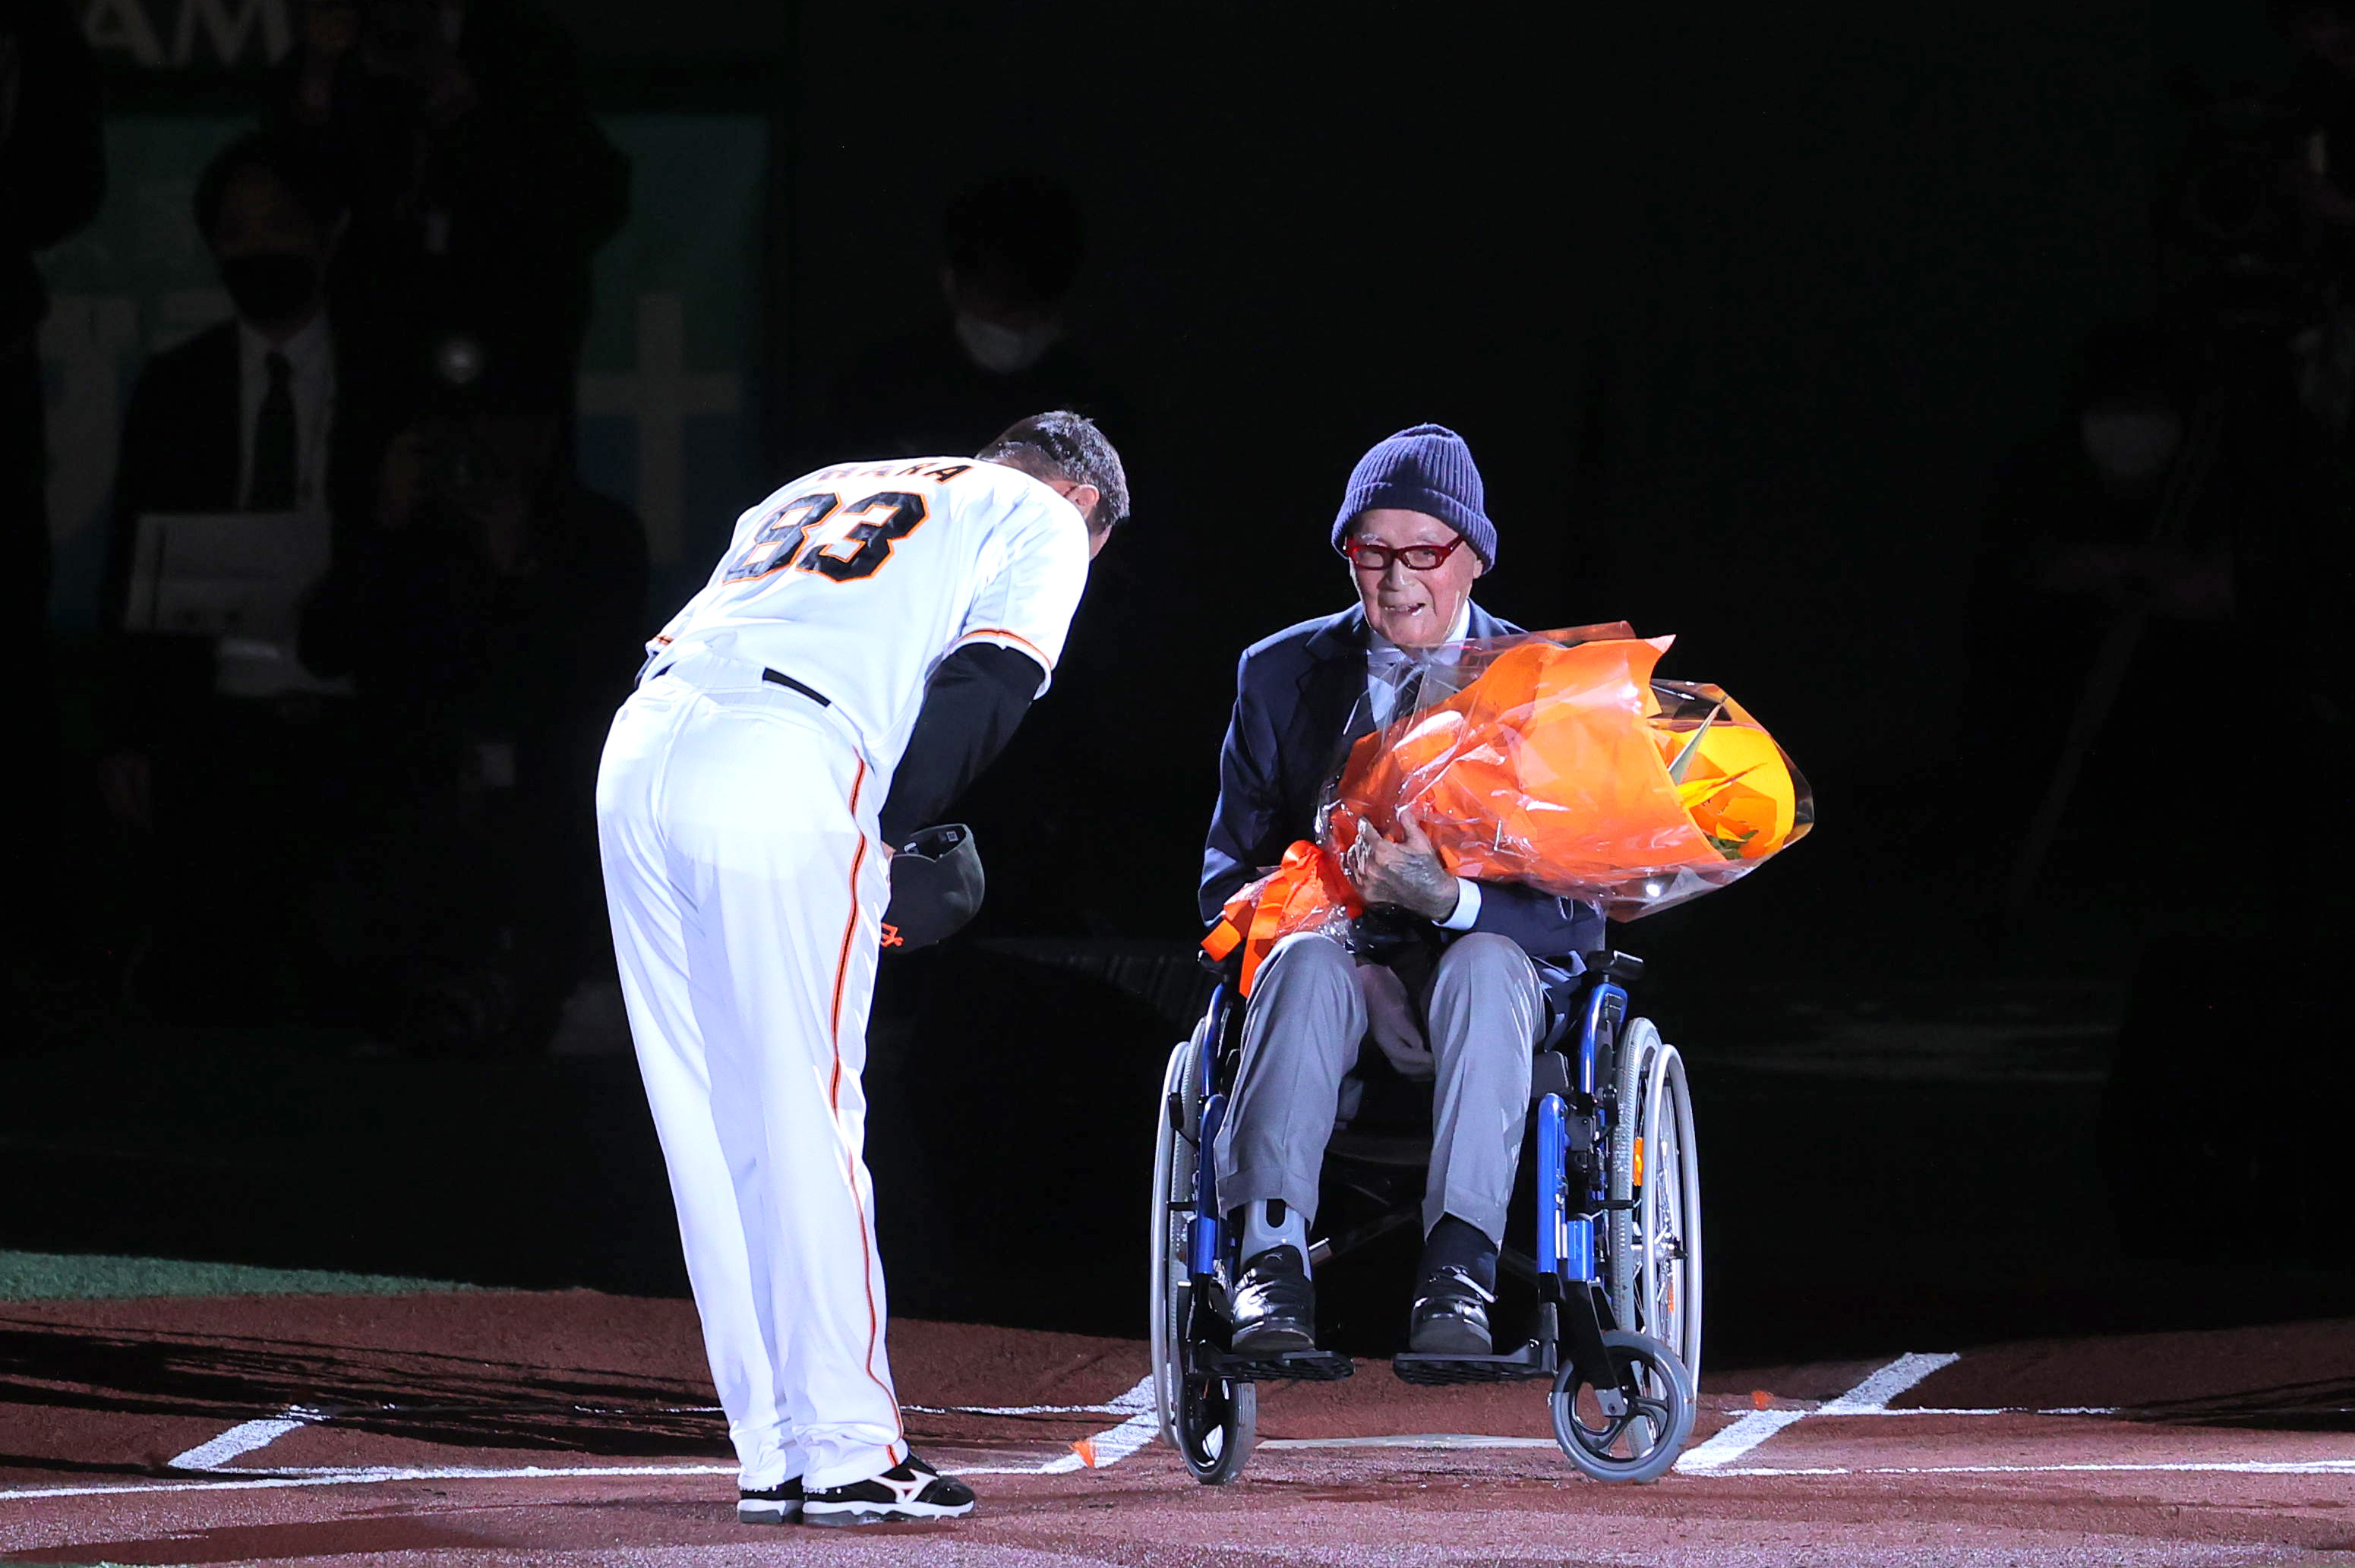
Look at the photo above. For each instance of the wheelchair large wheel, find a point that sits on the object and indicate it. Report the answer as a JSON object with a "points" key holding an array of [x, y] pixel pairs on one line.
{"points": [[1212, 1423], [1655, 1269], [1612, 1437]]}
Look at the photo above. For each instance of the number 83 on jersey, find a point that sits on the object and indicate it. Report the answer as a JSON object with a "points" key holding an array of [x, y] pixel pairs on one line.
{"points": [[818, 534]]}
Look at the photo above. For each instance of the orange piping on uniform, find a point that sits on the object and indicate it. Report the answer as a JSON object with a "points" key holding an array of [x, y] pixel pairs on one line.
{"points": [[849, 930], [1036, 651], [833, 1103]]}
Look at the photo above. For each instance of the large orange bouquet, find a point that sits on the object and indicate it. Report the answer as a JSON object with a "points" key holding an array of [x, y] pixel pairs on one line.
{"points": [[1560, 763]]}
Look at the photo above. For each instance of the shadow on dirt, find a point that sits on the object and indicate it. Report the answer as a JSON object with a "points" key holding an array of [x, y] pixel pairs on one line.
{"points": [[459, 1402]]}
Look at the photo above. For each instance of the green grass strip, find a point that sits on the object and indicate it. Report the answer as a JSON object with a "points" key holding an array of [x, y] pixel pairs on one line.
{"points": [[55, 1277]]}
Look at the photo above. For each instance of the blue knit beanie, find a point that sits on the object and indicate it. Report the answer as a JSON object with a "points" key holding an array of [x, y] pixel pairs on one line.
{"points": [[1427, 469]]}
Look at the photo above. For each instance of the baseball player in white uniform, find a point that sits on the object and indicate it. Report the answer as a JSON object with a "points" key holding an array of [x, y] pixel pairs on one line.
{"points": [[865, 647]]}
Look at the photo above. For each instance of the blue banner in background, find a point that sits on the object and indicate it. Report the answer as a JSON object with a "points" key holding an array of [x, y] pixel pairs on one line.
{"points": [[670, 368]]}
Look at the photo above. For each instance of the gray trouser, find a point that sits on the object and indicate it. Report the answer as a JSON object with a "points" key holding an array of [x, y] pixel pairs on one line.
{"points": [[1301, 1037]]}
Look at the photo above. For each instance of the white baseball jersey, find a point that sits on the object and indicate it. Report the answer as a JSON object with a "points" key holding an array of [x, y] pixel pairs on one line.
{"points": [[736, 821], [857, 579]]}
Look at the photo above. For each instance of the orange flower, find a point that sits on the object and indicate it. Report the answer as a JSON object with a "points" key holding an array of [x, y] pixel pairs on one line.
{"points": [[1561, 765]]}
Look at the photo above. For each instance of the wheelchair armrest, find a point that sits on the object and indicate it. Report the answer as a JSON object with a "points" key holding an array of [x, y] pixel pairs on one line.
{"points": [[1624, 968]]}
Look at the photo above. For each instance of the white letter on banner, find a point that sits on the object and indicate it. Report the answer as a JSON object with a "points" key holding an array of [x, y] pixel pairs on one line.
{"points": [[229, 30], [121, 24]]}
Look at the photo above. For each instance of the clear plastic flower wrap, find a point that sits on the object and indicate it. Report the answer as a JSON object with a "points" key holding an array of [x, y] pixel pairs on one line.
{"points": [[1556, 761]]}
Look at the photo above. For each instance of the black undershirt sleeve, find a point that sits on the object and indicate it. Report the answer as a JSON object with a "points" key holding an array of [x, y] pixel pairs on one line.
{"points": [[975, 699]]}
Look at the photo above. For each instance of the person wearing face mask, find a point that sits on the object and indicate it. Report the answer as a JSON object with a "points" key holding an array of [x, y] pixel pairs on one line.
{"points": [[252, 414], [2139, 507], [1449, 978], [1010, 251], [226, 800]]}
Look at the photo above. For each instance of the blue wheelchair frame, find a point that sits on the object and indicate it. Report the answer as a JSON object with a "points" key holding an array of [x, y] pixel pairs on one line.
{"points": [[1610, 1382], [1573, 1090]]}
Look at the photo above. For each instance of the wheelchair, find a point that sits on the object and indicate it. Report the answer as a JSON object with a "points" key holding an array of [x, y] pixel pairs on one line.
{"points": [[1616, 1262]]}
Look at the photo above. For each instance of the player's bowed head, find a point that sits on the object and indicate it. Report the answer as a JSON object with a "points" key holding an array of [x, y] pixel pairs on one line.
{"points": [[1066, 453]]}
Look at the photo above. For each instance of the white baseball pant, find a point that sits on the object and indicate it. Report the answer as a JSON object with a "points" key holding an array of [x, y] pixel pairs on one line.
{"points": [[746, 885]]}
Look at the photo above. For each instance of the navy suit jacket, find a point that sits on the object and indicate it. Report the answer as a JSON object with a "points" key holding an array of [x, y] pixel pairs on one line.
{"points": [[1294, 693]]}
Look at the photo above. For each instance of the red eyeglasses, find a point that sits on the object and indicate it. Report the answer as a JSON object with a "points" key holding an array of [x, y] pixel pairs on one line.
{"points": [[1367, 556]]}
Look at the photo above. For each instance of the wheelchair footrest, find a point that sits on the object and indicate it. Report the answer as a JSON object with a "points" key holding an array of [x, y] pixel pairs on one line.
{"points": [[1531, 1360], [1293, 1366]]}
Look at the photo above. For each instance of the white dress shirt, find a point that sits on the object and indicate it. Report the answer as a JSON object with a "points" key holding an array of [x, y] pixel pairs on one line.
{"points": [[311, 363], [1387, 666]]}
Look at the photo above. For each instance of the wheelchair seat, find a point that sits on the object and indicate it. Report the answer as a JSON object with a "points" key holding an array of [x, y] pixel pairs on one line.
{"points": [[1402, 1151]]}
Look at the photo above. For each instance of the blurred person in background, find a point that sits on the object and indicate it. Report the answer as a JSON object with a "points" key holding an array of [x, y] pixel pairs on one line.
{"points": [[997, 347], [477, 616], [52, 179], [226, 803], [480, 185], [2106, 514], [254, 414], [1011, 252], [2322, 99], [2174, 551]]}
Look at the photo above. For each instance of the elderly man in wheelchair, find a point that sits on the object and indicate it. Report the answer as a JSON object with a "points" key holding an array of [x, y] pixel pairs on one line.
{"points": [[1449, 979]]}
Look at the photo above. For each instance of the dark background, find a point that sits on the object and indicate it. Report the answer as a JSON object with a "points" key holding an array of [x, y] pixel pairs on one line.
{"points": [[1740, 310]]}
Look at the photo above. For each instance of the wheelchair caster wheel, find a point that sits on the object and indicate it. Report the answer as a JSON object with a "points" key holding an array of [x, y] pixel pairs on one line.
{"points": [[1217, 1422], [1612, 1437]]}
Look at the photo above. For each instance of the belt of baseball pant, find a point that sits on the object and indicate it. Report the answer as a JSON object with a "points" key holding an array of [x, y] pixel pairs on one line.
{"points": [[774, 678]]}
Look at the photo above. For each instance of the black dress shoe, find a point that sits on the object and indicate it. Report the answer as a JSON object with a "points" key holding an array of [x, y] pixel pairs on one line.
{"points": [[1458, 1286], [1451, 1316], [1275, 1306]]}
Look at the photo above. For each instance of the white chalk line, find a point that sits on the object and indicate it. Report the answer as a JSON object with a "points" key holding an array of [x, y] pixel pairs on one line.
{"points": [[244, 1438], [2179, 1466], [375, 1476], [1110, 1409], [370, 1477], [1113, 1443], [1873, 1395], [1870, 1397], [1444, 1441], [1410, 1440], [1435, 1440], [1108, 1447], [1986, 1410], [362, 1477]]}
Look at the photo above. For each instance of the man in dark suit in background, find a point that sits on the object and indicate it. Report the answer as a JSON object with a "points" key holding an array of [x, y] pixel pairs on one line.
{"points": [[1446, 975], [231, 801], [258, 413]]}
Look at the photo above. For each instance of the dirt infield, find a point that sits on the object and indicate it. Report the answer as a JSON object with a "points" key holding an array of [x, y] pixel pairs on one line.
{"points": [[505, 1427]]}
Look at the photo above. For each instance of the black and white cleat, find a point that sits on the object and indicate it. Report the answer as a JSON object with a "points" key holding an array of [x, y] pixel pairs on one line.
{"points": [[912, 1491], [780, 1504]]}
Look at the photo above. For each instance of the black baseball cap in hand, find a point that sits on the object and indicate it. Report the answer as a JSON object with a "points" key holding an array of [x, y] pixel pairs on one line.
{"points": [[936, 887]]}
